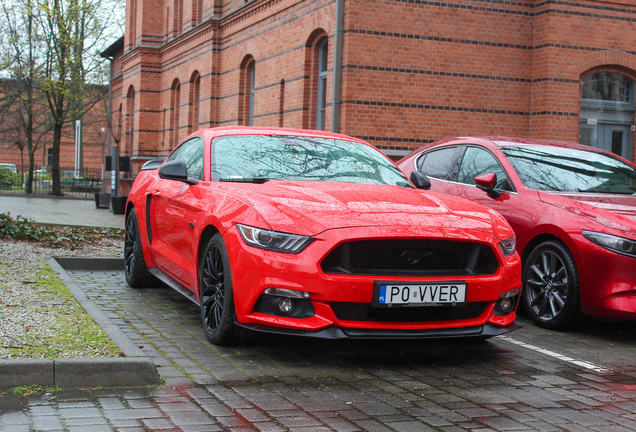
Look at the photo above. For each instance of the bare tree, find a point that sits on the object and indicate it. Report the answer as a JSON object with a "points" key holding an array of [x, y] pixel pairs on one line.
{"points": [[22, 109], [53, 47]]}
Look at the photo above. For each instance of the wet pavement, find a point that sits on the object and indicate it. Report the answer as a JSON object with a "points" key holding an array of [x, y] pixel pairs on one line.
{"points": [[529, 380]]}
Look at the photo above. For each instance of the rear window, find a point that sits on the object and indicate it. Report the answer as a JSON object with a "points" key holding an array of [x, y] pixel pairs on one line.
{"points": [[440, 164]]}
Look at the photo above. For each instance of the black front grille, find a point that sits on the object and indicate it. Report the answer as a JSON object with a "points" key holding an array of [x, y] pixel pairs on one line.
{"points": [[411, 258], [364, 312]]}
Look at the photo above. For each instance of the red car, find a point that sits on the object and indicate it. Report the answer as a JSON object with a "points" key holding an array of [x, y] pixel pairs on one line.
{"points": [[573, 208], [313, 233]]}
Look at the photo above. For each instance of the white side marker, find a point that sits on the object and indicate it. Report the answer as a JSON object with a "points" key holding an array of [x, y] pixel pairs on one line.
{"points": [[581, 363]]}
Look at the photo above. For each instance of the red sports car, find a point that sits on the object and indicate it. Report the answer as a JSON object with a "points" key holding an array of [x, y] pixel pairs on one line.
{"points": [[313, 233], [573, 208]]}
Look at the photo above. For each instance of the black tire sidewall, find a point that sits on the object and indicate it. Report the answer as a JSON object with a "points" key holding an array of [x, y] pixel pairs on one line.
{"points": [[224, 334], [570, 313], [134, 278]]}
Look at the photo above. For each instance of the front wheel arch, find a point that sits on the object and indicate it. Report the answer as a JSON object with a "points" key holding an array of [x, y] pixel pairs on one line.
{"points": [[205, 237], [534, 243], [216, 297]]}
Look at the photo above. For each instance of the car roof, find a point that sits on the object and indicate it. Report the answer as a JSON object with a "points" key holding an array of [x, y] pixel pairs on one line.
{"points": [[503, 141], [506, 141]]}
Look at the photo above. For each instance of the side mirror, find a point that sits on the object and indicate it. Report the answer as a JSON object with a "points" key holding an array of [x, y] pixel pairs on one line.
{"points": [[420, 180], [175, 170], [487, 183]]}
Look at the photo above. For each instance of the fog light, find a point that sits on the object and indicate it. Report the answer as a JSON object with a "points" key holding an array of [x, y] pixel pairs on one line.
{"points": [[506, 304], [285, 305]]}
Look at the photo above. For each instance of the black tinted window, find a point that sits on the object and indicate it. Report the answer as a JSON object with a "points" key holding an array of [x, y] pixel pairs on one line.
{"points": [[478, 161], [439, 164], [570, 170]]}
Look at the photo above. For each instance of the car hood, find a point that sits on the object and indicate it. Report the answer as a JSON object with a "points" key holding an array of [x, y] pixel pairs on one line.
{"points": [[612, 211], [310, 208]]}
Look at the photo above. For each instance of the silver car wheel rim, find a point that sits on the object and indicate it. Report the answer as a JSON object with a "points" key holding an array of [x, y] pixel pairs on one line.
{"points": [[547, 286]]}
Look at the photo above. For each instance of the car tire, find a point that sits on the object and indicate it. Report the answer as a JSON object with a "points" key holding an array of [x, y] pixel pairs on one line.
{"points": [[551, 293], [218, 314], [136, 271]]}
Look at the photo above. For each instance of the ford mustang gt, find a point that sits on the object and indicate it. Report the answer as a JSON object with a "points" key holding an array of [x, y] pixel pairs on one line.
{"points": [[573, 208], [312, 233]]}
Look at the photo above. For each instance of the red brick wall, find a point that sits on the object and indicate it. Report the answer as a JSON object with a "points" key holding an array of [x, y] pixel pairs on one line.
{"points": [[413, 71]]}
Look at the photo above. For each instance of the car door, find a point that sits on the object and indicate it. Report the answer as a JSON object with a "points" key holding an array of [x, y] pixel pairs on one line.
{"points": [[477, 160], [175, 208], [440, 166]]}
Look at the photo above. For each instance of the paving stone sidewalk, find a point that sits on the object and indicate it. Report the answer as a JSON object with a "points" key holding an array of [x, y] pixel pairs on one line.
{"points": [[60, 211], [300, 384]]}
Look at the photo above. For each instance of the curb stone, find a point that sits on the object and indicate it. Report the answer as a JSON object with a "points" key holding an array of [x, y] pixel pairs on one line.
{"points": [[134, 369]]}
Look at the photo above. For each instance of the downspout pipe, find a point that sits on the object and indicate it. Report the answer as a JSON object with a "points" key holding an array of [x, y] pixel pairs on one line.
{"points": [[337, 67]]}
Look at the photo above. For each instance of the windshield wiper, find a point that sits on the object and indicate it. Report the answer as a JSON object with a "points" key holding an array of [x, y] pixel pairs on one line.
{"points": [[257, 180]]}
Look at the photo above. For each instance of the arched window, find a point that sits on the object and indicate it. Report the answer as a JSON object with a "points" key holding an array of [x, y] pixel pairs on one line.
{"points": [[174, 107], [607, 112], [315, 86], [608, 86], [195, 98], [247, 91], [321, 99]]}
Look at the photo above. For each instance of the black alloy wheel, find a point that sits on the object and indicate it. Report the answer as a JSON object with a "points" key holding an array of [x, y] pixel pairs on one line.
{"points": [[551, 286], [136, 271], [217, 300]]}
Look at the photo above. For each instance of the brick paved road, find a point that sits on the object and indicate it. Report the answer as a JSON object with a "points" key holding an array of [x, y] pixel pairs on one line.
{"points": [[531, 380]]}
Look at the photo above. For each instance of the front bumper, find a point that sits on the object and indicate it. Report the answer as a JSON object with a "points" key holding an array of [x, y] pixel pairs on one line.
{"points": [[255, 270], [483, 331], [608, 284]]}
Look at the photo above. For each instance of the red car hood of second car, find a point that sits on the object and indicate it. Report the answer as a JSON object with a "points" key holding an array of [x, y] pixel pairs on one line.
{"points": [[310, 208], [608, 210]]}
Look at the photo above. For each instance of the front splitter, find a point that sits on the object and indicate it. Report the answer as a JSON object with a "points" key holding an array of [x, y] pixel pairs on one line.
{"points": [[483, 332]]}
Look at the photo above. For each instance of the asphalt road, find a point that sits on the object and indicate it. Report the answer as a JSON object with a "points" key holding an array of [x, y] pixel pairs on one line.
{"points": [[531, 379]]}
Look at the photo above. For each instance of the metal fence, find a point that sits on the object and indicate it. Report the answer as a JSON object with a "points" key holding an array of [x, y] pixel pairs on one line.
{"points": [[82, 183]]}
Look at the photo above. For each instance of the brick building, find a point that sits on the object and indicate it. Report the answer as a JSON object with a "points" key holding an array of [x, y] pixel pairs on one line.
{"points": [[397, 73]]}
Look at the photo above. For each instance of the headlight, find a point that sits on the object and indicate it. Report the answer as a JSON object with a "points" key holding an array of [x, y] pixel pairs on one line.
{"points": [[273, 240], [508, 246], [614, 243]]}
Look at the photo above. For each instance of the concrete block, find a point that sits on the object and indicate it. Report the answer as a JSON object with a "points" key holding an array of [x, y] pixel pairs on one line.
{"points": [[19, 372], [106, 372]]}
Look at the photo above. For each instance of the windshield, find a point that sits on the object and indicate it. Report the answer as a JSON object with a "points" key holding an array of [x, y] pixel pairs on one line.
{"points": [[569, 170], [262, 157]]}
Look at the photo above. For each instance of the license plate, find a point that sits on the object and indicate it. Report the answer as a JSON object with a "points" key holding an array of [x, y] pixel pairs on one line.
{"points": [[424, 294]]}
